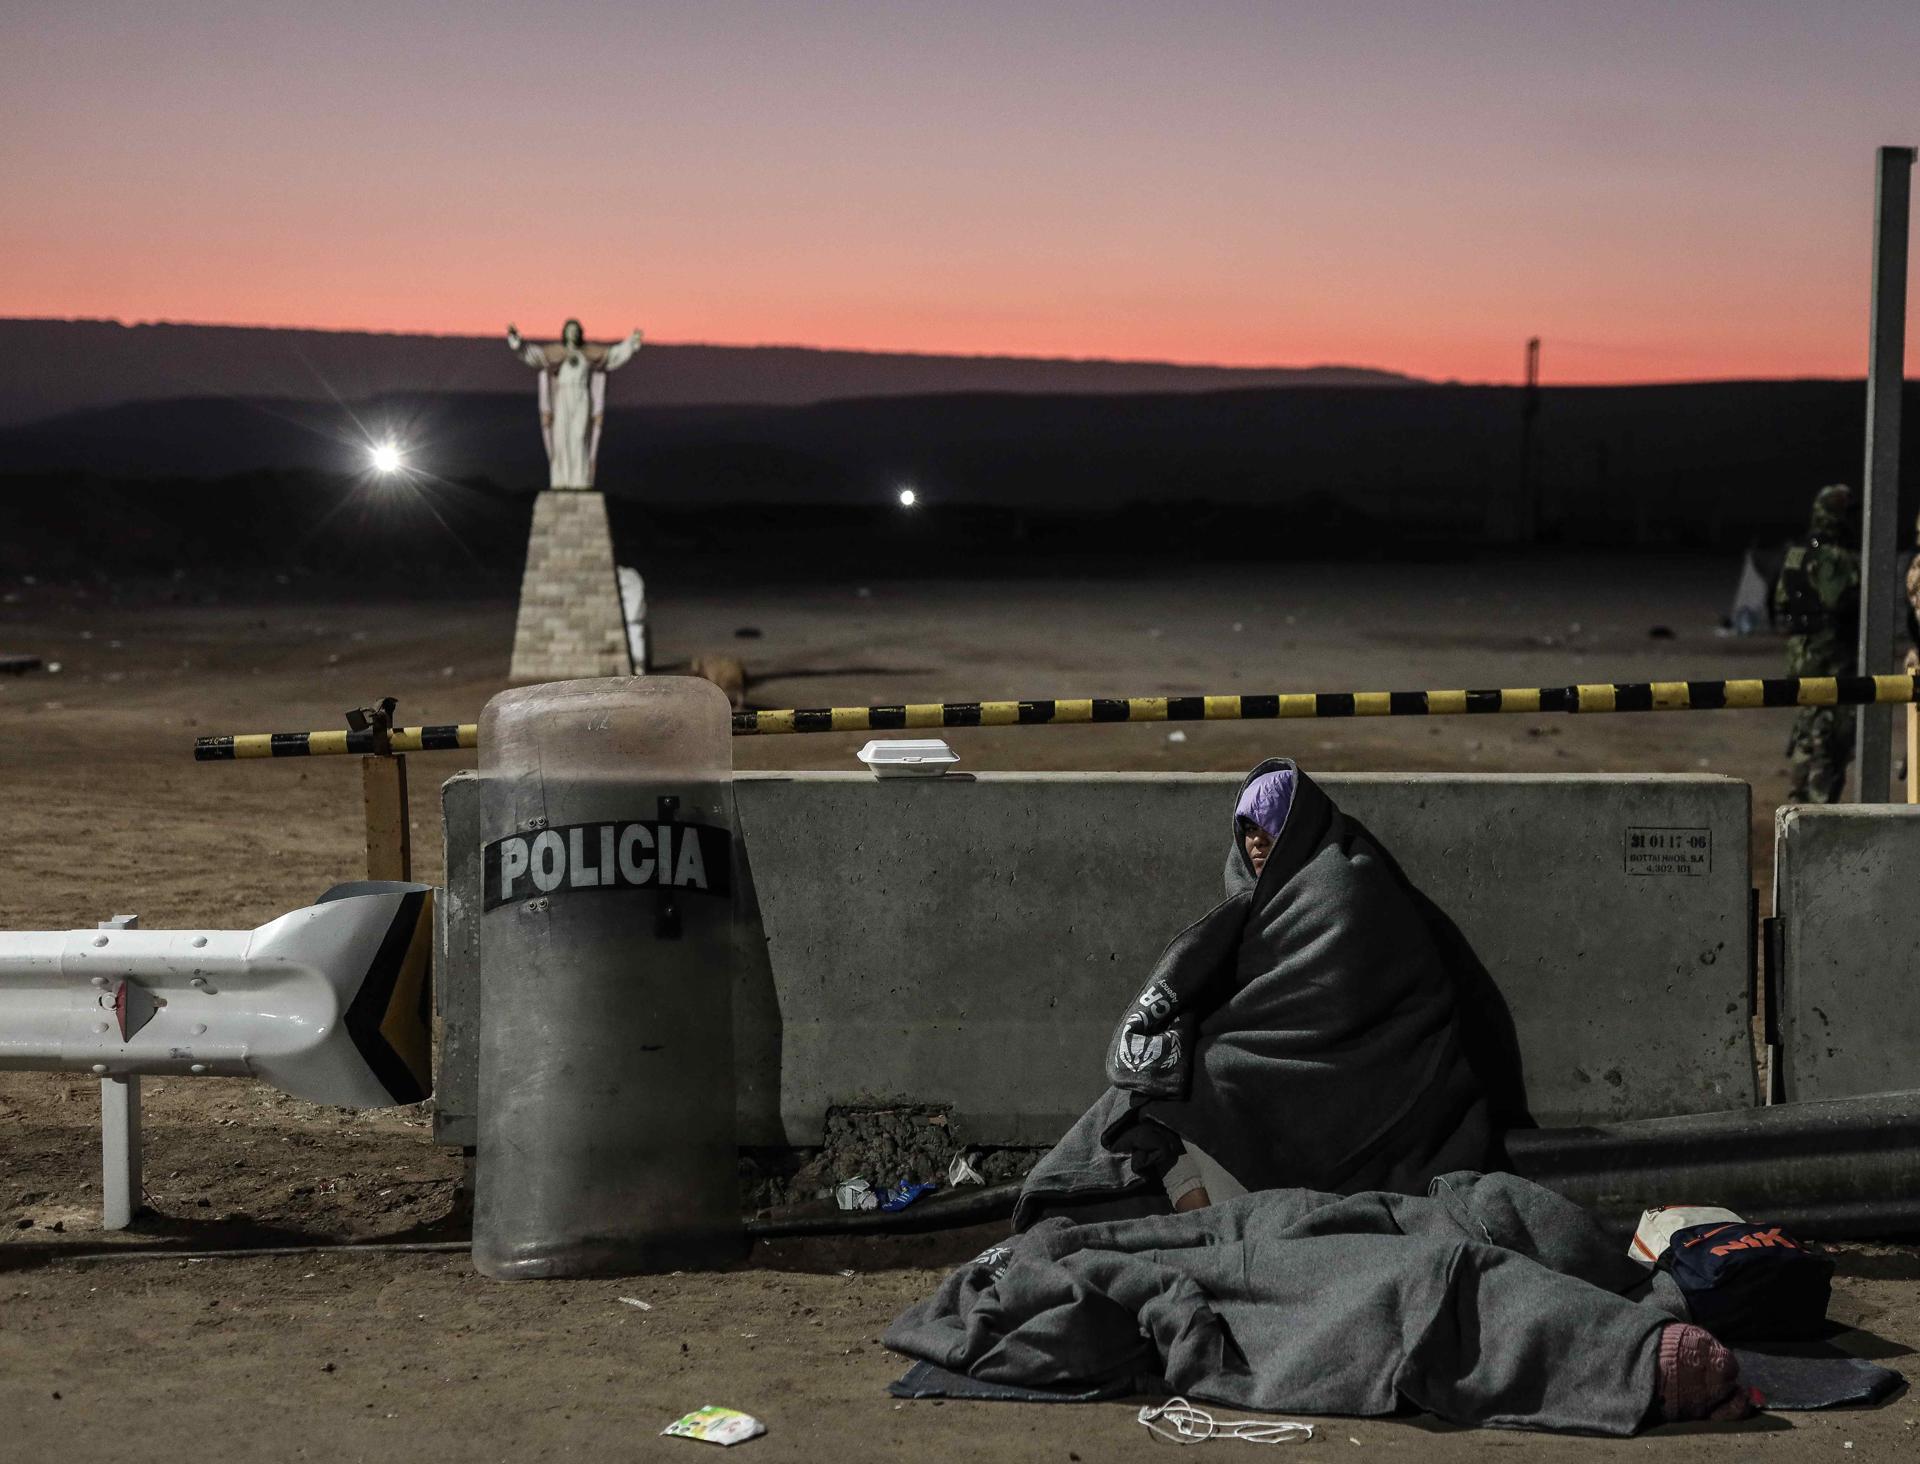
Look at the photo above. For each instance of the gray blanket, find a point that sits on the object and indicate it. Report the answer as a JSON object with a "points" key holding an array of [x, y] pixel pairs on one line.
{"points": [[1303, 1032], [1492, 1301]]}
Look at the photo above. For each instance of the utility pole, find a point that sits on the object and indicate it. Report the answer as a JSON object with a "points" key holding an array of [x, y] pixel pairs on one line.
{"points": [[1529, 409], [1879, 529]]}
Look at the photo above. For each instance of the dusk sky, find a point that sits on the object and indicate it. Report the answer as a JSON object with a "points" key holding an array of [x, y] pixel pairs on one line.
{"points": [[1660, 190]]}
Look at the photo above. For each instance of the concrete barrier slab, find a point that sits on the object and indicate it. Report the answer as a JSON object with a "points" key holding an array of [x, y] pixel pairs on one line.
{"points": [[969, 942], [1847, 896]]}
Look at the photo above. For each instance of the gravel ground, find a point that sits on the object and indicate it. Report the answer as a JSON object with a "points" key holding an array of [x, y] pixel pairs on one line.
{"points": [[357, 1356], [373, 1357]]}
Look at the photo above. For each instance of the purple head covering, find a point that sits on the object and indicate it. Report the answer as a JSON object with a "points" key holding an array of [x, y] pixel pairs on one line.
{"points": [[1266, 800]]}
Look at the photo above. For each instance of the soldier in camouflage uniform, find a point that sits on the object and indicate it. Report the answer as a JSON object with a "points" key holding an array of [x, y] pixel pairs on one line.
{"points": [[1818, 595]]}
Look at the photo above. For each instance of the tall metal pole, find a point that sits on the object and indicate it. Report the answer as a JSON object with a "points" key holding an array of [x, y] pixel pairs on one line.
{"points": [[1886, 368], [1529, 409]]}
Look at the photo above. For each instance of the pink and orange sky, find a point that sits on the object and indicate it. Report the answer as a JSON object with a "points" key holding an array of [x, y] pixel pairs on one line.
{"points": [[1660, 190]]}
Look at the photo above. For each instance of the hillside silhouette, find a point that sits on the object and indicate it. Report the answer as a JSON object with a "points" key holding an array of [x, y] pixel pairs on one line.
{"points": [[48, 367]]}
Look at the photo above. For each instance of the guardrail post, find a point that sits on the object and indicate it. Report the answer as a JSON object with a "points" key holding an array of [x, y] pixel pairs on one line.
{"points": [[120, 1188]]}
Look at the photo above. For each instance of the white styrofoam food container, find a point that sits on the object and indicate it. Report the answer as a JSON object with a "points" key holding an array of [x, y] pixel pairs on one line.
{"points": [[908, 757]]}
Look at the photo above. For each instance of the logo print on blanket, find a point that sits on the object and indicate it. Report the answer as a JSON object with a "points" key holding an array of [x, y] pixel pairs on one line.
{"points": [[1155, 1004], [994, 1258], [1141, 1047], [1142, 1050]]}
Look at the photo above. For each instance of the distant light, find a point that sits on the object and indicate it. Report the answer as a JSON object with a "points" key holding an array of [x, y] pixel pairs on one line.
{"points": [[386, 458], [907, 498]]}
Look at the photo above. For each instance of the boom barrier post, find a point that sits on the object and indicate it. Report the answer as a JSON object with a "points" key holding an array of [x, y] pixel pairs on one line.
{"points": [[1913, 753], [383, 786]]}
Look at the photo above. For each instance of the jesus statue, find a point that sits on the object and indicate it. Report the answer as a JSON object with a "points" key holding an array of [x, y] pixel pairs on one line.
{"points": [[573, 397]]}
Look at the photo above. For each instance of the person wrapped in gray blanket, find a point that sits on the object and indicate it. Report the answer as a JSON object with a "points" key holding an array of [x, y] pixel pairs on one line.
{"points": [[1489, 1301], [1302, 1033], [1293, 1077]]}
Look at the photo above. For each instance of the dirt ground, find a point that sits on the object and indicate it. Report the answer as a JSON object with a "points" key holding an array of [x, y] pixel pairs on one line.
{"points": [[377, 1357], [354, 1356]]}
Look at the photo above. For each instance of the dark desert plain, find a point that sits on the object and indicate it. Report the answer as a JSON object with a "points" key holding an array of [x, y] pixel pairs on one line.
{"points": [[372, 1354]]}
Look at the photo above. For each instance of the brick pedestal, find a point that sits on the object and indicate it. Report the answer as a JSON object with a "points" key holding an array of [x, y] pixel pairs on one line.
{"points": [[570, 624]]}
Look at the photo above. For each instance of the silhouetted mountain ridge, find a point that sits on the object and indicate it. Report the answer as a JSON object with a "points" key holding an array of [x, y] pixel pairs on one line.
{"points": [[49, 367]]}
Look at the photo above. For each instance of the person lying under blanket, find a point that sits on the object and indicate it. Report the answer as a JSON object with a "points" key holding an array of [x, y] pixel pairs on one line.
{"points": [[1292, 1082], [1488, 1301], [1304, 1033]]}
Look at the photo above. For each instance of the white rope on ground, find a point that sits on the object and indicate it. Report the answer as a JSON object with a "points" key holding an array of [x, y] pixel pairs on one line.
{"points": [[1181, 1422]]}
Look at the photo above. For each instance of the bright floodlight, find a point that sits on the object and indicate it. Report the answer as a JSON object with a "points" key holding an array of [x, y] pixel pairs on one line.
{"points": [[386, 458], [906, 498]]}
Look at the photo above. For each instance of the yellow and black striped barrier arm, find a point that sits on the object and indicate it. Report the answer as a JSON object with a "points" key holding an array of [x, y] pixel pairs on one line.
{"points": [[1604, 696], [1588, 697], [443, 738]]}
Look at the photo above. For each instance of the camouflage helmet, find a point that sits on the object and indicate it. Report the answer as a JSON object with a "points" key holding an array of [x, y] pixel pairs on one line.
{"points": [[1833, 508]]}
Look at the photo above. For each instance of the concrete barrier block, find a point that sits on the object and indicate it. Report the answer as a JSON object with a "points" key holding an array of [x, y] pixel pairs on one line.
{"points": [[972, 941], [1613, 912], [969, 942], [1847, 895]]}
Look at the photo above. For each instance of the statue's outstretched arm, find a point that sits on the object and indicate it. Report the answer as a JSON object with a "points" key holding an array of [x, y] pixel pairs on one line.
{"points": [[534, 355], [621, 352]]}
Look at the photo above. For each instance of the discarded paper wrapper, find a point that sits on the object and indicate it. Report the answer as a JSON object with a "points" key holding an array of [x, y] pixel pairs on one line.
{"points": [[716, 1426], [855, 1194]]}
